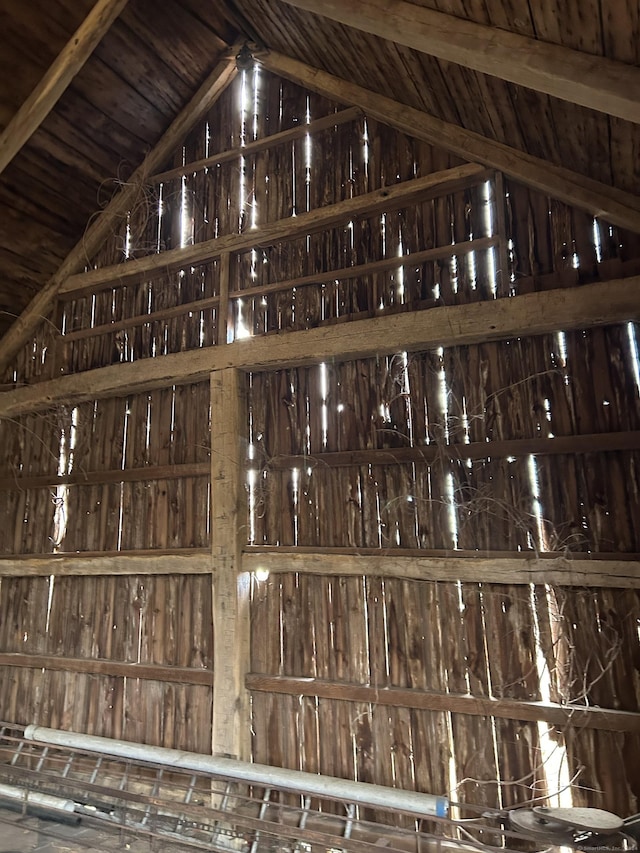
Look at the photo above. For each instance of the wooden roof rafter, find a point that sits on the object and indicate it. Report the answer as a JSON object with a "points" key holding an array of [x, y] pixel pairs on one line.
{"points": [[58, 77], [208, 93], [616, 206], [592, 81]]}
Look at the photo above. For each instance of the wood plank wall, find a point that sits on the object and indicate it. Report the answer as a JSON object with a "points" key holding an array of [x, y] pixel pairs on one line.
{"points": [[121, 485], [449, 639], [436, 402], [544, 243], [136, 620], [485, 640]]}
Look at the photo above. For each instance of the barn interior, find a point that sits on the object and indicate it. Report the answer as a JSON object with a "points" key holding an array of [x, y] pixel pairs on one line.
{"points": [[320, 418]]}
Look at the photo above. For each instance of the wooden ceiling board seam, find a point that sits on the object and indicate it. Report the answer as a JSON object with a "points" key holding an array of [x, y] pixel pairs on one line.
{"points": [[13, 197], [38, 168], [25, 281], [136, 64], [531, 113], [463, 87], [172, 44], [93, 160], [125, 144], [624, 141], [119, 102], [92, 125], [203, 12], [431, 103], [583, 140], [514, 15], [621, 34]]}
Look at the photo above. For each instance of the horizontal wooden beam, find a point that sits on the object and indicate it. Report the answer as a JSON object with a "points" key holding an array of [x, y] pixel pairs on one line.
{"points": [[580, 78], [57, 78], [110, 668], [388, 198], [9, 481], [104, 224], [615, 206], [266, 142], [343, 273], [430, 453], [597, 304], [469, 567], [437, 253], [592, 570], [184, 561], [559, 716], [140, 320]]}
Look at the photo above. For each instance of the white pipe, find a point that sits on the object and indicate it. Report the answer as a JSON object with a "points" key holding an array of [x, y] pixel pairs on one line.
{"points": [[296, 781], [34, 798]]}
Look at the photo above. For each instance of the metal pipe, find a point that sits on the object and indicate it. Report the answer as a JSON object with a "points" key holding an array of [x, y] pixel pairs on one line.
{"points": [[296, 781], [34, 798]]}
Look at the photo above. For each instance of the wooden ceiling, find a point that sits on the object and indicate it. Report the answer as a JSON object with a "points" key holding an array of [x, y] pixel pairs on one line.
{"points": [[143, 71], [157, 53]]}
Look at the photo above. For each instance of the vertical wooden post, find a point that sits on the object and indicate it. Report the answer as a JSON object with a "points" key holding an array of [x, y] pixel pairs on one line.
{"points": [[223, 306], [504, 280], [231, 733], [58, 341]]}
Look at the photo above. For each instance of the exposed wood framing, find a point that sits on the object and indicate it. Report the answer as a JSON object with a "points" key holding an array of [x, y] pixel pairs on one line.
{"points": [[597, 570], [332, 120], [231, 655], [598, 304], [437, 253], [110, 668], [103, 225], [10, 482], [57, 78], [387, 198], [560, 716], [473, 568], [192, 561], [222, 318], [599, 443], [615, 206], [592, 81]]}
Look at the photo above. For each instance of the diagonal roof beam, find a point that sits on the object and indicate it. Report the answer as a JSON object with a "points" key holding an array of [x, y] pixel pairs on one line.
{"points": [[58, 77], [592, 81], [103, 225], [615, 206]]}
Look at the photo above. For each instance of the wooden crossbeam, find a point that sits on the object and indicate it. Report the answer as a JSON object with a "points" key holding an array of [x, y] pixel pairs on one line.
{"points": [[9, 481], [598, 304], [592, 570], [57, 78], [615, 206], [182, 561], [560, 716], [471, 567], [262, 144], [110, 668], [437, 253], [580, 78], [104, 225], [430, 453], [388, 198]]}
